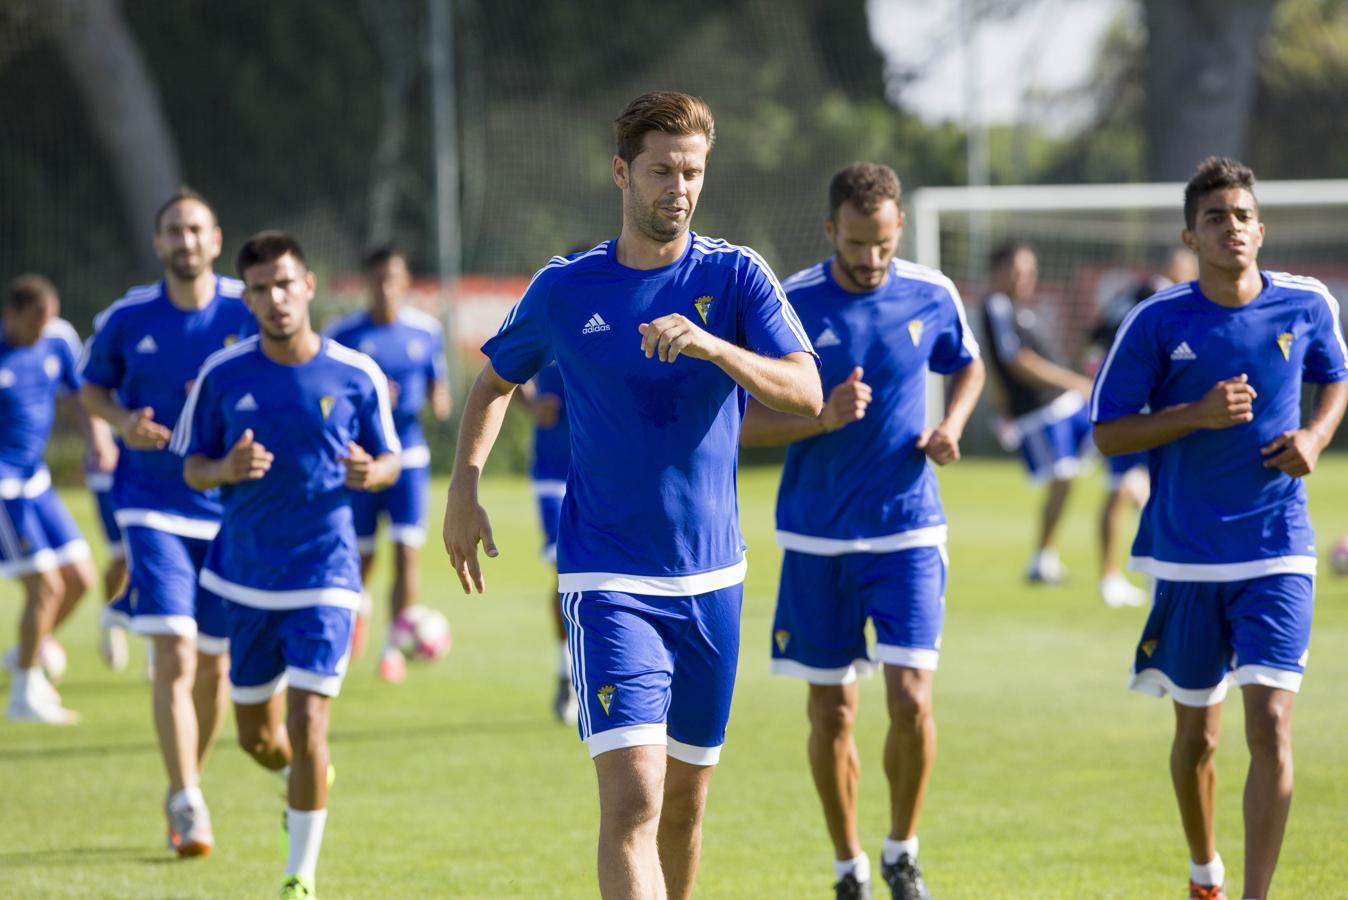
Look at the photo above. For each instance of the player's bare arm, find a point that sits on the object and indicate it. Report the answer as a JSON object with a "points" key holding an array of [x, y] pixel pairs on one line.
{"points": [[1031, 367], [1228, 402], [103, 453], [369, 473], [137, 427], [1297, 452], [247, 460], [466, 522], [846, 404], [441, 403], [790, 384], [942, 443]]}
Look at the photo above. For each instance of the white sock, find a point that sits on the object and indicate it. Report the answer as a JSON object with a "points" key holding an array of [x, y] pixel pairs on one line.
{"points": [[1213, 873], [563, 659], [19, 686], [188, 796], [894, 849], [306, 837], [859, 866]]}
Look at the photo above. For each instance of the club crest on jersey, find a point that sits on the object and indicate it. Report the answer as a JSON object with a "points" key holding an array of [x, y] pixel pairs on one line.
{"points": [[1285, 345], [782, 637], [915, 330], [325, 403], [702, 305], [1149, 647], [52, 366], [230, 339], [7, 378], [605, 694], [415, 349]]}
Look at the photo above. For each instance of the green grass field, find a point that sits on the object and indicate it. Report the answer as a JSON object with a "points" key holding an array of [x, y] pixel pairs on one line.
{"points": [[1051, 779]]}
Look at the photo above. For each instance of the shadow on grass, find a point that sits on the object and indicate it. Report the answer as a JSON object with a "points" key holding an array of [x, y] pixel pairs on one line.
{"points": [[74, 751], [84, 856]]}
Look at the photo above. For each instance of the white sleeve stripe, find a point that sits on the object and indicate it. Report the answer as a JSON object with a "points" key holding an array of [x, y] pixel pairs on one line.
{"points": [[344, 322], [1172, 293], [134, 297], [793, 324], [359, 360], [557, 262], [65, 332], [182, 431], [905, 269], [1318, 287]]}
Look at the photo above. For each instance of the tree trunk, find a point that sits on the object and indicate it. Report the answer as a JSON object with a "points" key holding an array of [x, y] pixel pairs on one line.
{"points": [[123, 105], [1202, 71]]}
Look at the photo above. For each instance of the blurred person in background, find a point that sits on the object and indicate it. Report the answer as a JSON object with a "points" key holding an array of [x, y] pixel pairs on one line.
{"points": [[409, 346], [140, 365], [40, 545]]}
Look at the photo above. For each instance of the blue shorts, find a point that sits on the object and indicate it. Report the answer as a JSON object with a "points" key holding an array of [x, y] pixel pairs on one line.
{"points": [[550, 515], [1120, 466], [1199, 632], [1058, 450], [404, 503], [37, 534], [165, 596], [654, 670], [100, 485], [823, 602], [306, 648]]}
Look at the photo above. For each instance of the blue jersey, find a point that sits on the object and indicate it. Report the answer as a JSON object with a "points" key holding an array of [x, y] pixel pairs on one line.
{"points": [[287, 539], [31, 377], [552, 446], [411, 352], [149, 351], [1215, 513], [650, 504], [866, 486]]}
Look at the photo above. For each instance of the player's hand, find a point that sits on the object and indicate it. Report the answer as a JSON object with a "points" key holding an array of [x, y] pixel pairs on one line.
{"points": [[941, 444], [1228, 402], [359, 467], [547, 410], [847, 402], [103, 453], [1293, 452], [466, 524], [247, 460], [673, 335], [1083, 386], [140, 431]]}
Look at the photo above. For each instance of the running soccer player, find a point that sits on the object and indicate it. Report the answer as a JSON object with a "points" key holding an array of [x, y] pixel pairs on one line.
{"points": [[1044, 398], [409, 346], [288, 423], [1207, 376], [858, 513], [659, 335], [144, 357], [545, 395], [39, 542]]}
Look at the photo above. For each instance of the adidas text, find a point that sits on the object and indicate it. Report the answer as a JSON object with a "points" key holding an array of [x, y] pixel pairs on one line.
{"points": [[596, 323]]}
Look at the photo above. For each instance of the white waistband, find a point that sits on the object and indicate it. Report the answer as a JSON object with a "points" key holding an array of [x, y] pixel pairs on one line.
{"points": [[932, 536], [201, 529], [34, 485], [654, 585], [1235, 571]]}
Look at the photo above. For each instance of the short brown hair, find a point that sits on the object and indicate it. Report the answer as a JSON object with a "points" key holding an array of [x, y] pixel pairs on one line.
{"points": [[1216, 173], [1003, 253], [182, 193], [670, 112], [865, 185], [265, 247], [27, 290]]}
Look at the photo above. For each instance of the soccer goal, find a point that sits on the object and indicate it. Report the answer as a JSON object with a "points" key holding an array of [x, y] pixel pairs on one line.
{"points": [[1095, 242]]}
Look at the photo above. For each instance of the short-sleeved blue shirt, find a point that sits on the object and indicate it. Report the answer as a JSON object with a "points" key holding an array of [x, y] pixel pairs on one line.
{"points": [[31, 378]]}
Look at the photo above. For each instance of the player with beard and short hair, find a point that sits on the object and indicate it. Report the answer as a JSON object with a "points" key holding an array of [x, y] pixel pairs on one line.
{"points": [[660, 336], [140, 365]]}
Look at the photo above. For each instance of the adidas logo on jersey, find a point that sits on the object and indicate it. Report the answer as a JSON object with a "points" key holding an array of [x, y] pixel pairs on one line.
{"points": [[1183, 352], [596, 323], [246, 404], [827, 339], [147, 345]]}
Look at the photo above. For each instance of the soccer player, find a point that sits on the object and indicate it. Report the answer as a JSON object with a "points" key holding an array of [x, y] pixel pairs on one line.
{"points": [[1127, 480], [545, 395], [1043, 397], [144, 357], [659, 335], [1207, 376], [858, 511], [39, 542], [289, 423], [409, 346], [100, 464]]}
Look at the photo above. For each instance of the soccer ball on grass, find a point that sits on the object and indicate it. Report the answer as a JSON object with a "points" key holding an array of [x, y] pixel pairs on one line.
{"points": [[421, 632]]}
